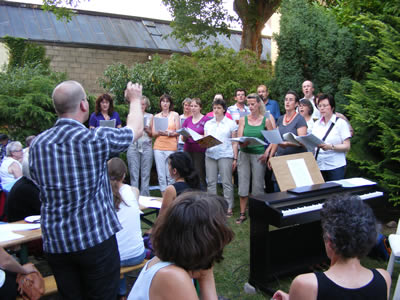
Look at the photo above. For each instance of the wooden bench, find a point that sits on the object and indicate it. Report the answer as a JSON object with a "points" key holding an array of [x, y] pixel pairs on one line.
{"points": [[51, 286]]}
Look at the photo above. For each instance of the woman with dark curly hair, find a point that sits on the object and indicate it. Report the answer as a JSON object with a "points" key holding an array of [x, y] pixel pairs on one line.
{"points": [[188, 240], [349, 232], [104, 110]]}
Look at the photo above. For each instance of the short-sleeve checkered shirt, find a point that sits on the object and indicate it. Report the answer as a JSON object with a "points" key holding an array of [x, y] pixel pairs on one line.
{"points": [[69, 164]]}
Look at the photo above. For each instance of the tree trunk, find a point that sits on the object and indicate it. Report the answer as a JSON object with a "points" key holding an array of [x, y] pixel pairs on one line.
{"points": [[254, 14]]}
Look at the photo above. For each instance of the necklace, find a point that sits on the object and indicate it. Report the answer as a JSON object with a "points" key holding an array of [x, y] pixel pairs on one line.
{"points": [[290, 119], [165, 116]]}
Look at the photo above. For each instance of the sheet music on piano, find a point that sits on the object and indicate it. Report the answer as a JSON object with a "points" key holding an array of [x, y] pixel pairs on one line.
{"points": [[354, 182]]}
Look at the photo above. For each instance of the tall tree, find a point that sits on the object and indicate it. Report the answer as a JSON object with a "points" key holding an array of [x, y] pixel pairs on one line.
{"points": [[197, 20]]}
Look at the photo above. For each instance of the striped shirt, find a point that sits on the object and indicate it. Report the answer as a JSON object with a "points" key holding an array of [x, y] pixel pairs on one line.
{"points": [[69, 164]]}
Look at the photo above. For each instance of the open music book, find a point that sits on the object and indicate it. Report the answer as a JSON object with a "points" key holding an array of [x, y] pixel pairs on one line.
{"points": [[310, 141], [204, 141], [253, 141]]}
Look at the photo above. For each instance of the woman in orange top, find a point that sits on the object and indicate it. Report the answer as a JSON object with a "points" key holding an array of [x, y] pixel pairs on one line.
{"points": [[166, 140]]}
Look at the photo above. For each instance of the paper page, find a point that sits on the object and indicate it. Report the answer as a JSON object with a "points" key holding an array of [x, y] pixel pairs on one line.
{"points": [[6, 236], [146, 121], [353, 182], [182, 121], [310, 140], [194, 134], [183, 131], [19, 227], [272, 136], [160, 124], [253, 141], [267, 114], [290, 137], [150, 202], [107, 123], [299, 171]]}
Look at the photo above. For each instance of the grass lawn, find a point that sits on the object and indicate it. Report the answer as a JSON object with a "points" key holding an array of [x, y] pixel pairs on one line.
{"points": [[233, 272]]}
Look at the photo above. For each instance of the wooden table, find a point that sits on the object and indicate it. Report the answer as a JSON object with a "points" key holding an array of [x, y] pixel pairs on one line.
{"points": [[28, 236]]}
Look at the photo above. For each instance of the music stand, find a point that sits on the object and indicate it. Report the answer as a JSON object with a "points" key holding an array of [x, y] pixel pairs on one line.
{"points": [[283, 174]]}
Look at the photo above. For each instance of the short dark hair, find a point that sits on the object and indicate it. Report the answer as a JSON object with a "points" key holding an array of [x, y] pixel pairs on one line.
{"points": [[221, 102], [193, 231], [350, 225], [330, 98], [307, 103], [3, 137], [169, 98], [296, 97], [240, 90], [182, 162], [110, 100]]}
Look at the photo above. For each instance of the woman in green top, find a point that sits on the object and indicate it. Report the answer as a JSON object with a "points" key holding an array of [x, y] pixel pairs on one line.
{"points": [[252, 158]]}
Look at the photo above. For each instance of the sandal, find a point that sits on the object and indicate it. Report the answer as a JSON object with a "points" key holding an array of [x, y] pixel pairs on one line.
{"points": [[229, 214], [241, 219]]}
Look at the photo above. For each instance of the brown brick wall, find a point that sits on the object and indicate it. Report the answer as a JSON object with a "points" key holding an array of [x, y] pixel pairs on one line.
{"points": [[87, 65]]}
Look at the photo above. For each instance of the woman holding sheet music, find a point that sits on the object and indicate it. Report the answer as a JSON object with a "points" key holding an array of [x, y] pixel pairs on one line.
{"points": [[140, 154], [252, 157], [334, 131], [104, 111], [221, 159], [196, 122], [166, 141], [293, 122]]}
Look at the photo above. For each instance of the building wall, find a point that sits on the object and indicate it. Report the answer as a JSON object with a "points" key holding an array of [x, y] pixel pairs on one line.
{"points": [[87, 65], [3, 55]]}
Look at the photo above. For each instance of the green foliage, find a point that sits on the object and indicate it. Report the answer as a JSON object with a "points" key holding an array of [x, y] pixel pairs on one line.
{"points": [[375, 111], [205, 73], [313, 46], [26, 107], [197, 20], [24, 53]]}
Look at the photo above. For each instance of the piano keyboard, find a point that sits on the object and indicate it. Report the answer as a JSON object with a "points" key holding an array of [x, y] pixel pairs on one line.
{"points": [[318, 206]]}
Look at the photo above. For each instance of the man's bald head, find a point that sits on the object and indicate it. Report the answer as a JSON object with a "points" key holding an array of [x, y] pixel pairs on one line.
{"points": [[67, 97]]}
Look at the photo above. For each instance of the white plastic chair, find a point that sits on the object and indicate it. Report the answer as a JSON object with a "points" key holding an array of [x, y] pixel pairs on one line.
{"points": [[394, 242]]}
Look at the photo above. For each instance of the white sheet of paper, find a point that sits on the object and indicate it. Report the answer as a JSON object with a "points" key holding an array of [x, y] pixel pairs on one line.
{"points": [[299, 171], [19, 227], [149, 202], [9, 236], [195, 136], [160, 124], [272, 136], [244, 113], [253, 141], [107, 123], [353, 182]]}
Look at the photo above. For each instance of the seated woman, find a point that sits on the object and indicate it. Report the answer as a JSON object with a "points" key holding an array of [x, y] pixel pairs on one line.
{"points": [[188, 238], [129, 238], [11, 167], [9, 268], [349, 232], [181, 169], [104, 110]]}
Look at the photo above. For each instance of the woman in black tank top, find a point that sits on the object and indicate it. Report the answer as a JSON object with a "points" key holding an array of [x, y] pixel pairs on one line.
{"points": [[349, 231], [181, 169]]}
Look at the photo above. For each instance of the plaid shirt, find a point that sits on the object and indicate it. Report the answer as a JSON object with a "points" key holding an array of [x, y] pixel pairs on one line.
{"points": [[69, 164]]}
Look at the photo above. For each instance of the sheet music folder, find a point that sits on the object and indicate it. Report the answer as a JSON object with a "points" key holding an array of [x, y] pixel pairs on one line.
{"points": [[314, 188]]}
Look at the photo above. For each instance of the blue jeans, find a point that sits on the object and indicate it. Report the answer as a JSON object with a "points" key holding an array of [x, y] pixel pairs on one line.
{"points": [[335, 174], [129, 262]]}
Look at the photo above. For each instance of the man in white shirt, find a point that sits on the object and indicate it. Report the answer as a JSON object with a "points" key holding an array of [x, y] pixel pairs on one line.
{"points": [[308, 91], [240, 107]]}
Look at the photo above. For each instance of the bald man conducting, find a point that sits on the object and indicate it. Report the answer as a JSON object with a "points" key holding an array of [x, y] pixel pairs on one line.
{"points": [[69, 164]]}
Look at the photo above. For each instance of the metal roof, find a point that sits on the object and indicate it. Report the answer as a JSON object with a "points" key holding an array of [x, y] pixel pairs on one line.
{"points": [[94, 29]]}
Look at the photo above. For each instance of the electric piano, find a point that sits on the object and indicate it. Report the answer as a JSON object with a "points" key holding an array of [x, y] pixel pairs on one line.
{"points": [[296, 244]]}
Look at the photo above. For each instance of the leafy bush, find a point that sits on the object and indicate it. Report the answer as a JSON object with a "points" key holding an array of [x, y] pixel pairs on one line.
{"points": [[313, 46], [375, 111], [205, 73]]}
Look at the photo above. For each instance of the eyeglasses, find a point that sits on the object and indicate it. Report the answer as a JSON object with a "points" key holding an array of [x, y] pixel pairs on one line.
{"points": [[323, 105], [20, 150]]}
